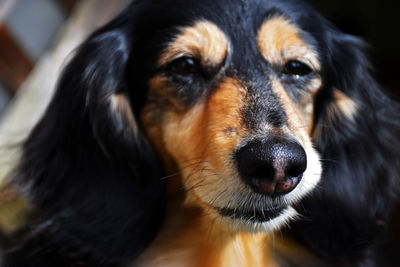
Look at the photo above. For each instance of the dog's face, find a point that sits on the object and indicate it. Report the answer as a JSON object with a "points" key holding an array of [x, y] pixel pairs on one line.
{"points": [[230, 95], [230, 106]]}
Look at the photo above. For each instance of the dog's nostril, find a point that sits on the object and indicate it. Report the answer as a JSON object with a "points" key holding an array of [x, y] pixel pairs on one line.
{"points": [[252, 165], [273, 167], [296, 159], [296, 167]]}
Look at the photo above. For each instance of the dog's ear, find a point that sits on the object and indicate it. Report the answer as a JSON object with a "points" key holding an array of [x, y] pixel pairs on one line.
{"points": [[356, 133], [346, 75], [91, 175], [347, 62]]}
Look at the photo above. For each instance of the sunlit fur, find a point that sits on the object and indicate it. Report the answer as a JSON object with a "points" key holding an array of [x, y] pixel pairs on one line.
{"points": [[280, 40], [134, 159], [203, 40]]}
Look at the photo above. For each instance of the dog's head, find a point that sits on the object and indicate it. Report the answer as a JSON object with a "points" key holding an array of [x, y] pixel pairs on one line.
{"points": [[228, 94], [230, 103], [225, 91]]}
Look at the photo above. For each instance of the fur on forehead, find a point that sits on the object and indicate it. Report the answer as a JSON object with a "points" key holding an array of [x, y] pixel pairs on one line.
{"points": [[203, 40]]}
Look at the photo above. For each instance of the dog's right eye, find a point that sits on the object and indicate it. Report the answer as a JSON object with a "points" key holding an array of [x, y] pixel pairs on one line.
{"points": [[184, 66]]}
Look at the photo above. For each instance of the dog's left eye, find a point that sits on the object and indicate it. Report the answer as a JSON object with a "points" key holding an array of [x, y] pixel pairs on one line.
{"points": [[184, 66], [296, 68]]}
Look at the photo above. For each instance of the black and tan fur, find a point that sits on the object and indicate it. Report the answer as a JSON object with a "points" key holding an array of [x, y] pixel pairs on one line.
{"points": [[142, 158]]}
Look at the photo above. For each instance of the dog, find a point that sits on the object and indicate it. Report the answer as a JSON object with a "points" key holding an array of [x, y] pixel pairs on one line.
{"points": [[184, 133]]}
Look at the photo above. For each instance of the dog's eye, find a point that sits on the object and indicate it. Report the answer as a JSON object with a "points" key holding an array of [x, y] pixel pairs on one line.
{"points": [[296, 68], [184, 66]]}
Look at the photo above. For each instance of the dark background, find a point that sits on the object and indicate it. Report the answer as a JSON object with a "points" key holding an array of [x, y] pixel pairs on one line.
{"points": [[377, 22]]}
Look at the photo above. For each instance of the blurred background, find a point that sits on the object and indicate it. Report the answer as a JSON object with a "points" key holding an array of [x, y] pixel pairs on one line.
{"points": [[37, 37], [30, 28], [27, 28]]}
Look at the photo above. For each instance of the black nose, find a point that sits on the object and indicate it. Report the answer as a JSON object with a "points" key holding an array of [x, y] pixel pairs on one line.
{"points": [[273, 167]]}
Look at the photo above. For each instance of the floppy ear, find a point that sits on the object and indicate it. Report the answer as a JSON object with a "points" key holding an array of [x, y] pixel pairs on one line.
{"points": [[92, 177], [346, 77], [356, 133]]}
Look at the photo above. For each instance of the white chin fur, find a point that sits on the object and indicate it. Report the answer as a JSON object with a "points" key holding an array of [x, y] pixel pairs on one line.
{"points": [[268, 226]]}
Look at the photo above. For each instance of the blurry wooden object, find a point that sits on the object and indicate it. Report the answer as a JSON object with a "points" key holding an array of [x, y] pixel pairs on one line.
{"points": [[68, 4], [14, 64], [35, 94]]}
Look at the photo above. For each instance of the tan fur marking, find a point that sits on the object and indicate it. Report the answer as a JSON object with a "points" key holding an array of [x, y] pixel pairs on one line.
{"points": [[160, 89], [177, 139], [343, 105], [306, 105], [279, 41], [200, 134], [189, 239], [223, 111], [204, 40], [158, 84], [121, 105], [295, 116], [14, 210]]}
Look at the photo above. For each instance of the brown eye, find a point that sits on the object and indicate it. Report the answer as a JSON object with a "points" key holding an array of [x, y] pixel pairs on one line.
{"points": [[184, 66], [296, 68]]}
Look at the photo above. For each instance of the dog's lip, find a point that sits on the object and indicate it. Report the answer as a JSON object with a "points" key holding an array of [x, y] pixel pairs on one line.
{"points": [[256, 215]]}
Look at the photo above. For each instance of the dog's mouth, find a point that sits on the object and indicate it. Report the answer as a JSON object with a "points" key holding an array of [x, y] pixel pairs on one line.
{"points": [[255, 215]]}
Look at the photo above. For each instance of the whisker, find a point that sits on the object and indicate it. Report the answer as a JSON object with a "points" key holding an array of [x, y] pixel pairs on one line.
{"points": [[329, 160], [184, 168]]}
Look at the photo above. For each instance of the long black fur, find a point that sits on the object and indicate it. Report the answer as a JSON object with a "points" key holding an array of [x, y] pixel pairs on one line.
{"points": [[96, 186], [345, 218]]}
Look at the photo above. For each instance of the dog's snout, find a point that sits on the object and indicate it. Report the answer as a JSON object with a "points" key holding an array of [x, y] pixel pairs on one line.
{"points": [[273, 167]]}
